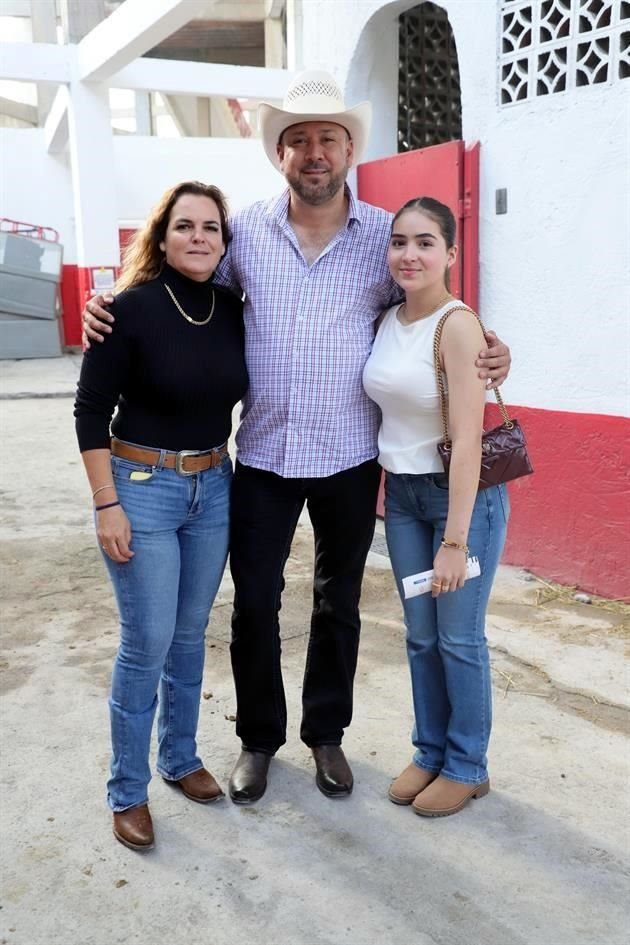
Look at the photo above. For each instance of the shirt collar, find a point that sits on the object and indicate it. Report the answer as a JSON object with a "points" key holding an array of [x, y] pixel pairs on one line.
{"points": [[355, 210], [278, 207]]}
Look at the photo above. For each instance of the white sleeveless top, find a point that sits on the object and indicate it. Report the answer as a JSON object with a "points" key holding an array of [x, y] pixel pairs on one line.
{"points": [[400, 377]]}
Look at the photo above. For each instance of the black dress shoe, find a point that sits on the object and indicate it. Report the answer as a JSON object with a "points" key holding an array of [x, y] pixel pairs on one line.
{"points": [[334, 777], [248, 782]]}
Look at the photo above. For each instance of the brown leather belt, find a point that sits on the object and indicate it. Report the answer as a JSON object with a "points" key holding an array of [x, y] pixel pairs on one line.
{"points": [[186, 462]]}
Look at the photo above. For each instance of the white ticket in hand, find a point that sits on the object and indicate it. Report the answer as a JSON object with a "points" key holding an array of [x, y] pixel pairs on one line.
{"points": [[421, 583]]}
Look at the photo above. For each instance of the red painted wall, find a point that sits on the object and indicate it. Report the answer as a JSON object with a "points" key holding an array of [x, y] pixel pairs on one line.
{"points": [[70, 305], [570, 521], [76, 289]]}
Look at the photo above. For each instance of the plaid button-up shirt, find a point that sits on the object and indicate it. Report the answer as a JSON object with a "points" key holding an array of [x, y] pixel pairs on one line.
{"points": [[308, 334]]}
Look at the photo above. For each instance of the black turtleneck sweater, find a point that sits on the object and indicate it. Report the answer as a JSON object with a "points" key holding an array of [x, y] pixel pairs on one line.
{"points": [[175, 384]]}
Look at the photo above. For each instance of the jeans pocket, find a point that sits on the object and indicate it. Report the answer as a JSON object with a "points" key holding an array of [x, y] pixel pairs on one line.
{"points": [[440, 481], [128, 471], [225, 468], [394, 490]]}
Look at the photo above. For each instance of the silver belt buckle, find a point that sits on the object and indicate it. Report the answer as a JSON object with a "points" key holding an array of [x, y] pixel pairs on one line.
{"points": [[180, 457]]}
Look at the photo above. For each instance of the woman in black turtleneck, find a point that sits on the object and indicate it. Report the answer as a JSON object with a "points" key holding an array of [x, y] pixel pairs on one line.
{"points": [[174, 369]]}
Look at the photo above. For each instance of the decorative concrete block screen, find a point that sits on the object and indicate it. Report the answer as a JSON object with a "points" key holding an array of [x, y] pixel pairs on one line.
{"points": [[551, 46]]}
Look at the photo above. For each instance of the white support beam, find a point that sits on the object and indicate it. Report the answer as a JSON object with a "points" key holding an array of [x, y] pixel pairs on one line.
{"points": [[295, 29], [16, 8], [130, 31], [174, 77], [43, 21], [78, 17], [36, 62], [91, 148], [142, 109], [222, 121], [19, 110], [56, 127], [191, 115], [274, 8], [275, 50], [171, 106], [244, 11], [44, 27]]}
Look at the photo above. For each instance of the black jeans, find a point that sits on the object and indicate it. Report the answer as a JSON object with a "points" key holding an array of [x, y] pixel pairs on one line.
{"points": [[264, 515]]}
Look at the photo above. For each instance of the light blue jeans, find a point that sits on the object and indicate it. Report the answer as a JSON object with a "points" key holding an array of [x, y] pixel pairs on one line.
{"points": [[446, 642], [180, 528]]}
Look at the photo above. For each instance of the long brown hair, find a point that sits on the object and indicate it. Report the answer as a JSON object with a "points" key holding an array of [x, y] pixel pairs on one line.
{"points": [[142, 258]]}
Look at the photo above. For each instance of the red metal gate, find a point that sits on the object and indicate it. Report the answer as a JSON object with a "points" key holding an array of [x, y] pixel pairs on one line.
{"points": [[450, 173]]}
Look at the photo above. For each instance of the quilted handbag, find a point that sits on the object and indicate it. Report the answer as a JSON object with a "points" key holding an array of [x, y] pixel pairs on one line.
{"points": [[503, 450]]}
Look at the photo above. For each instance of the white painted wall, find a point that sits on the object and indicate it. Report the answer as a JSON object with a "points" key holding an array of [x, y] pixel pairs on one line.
{"points": [[145, 167], [555, 273], [36, 187]]}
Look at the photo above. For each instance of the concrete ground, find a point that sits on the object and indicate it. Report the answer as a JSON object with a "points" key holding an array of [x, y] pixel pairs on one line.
{"points": [[543, 860]]}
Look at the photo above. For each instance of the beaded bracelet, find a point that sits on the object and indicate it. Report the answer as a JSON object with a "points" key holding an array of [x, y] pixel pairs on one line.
{"points": [[453, 544], [110, 505]]}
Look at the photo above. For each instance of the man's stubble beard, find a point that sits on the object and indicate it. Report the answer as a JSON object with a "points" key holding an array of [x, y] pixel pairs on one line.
{"points": [[317, 194]]}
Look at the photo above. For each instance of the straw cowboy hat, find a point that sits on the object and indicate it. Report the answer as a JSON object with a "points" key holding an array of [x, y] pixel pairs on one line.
{"points": [[313, 96]]}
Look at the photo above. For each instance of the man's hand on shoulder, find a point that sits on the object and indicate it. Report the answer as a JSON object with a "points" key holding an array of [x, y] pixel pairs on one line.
{"points": [[494, 361], [97, 321]]}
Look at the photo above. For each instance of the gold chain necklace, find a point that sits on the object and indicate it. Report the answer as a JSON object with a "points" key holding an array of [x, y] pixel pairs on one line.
{"points": [[403, 310], [182, 312]]}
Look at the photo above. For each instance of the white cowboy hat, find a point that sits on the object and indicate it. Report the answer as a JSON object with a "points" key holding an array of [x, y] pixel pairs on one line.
{"points": [[313, 96]]}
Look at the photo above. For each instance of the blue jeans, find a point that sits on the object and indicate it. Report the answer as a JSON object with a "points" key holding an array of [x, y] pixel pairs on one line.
{"points": [[446, 642], [180, 528]]}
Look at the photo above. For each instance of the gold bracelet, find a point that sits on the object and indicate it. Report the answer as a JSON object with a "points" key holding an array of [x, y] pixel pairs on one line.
{"points": [[110, 485], [454, 544]]}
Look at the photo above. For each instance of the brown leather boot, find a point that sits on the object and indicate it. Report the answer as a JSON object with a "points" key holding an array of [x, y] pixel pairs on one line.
{"points": [[443, 797], [199, 786], [409, 784], [134, 828]]}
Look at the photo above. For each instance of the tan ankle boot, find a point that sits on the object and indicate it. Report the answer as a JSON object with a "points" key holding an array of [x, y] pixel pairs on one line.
{"points": [[443, 797], [408, 784]]}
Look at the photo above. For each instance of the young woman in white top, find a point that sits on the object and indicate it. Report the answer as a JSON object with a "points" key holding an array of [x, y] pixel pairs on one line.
{"points": [[433, 520]]}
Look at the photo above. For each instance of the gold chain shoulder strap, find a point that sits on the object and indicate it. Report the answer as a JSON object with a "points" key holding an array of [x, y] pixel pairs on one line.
{"points": [[437, 339]]}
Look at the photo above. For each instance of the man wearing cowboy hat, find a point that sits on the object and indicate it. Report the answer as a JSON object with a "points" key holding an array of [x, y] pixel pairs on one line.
{"points": [[312, 265]]}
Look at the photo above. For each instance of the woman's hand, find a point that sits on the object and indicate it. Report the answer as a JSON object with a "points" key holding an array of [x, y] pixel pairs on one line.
{"points": [[96, 319], [114, 534], [449, 569]]}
